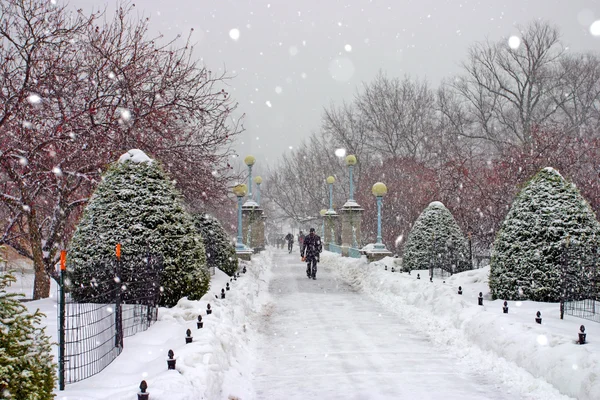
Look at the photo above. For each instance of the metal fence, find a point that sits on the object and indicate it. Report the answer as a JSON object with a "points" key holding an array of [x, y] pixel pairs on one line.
{"points": [[354, 253], [334, 248], [580, 281], [94, 318]]}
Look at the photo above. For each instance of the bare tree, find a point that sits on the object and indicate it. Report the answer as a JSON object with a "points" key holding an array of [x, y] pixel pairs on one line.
{"points": [[77, 91], [580, 95], [398, 113], [505, 93]]}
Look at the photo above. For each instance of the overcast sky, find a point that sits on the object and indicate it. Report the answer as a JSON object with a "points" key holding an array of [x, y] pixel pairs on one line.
{"points": [[294, 57]]}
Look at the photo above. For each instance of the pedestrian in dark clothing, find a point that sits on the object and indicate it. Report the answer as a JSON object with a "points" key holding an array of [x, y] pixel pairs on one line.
{"points": [[311, 250], [290, 239]]}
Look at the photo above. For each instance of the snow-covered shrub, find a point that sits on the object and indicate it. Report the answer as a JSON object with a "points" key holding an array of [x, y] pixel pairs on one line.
{"points": [[435, 241], [220, 252], [547, 213], [137, 206], [26, 368]]}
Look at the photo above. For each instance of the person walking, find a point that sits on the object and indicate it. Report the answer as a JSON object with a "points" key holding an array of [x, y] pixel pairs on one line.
{"points": [[311, 250], [290, 239], [301, 240]]}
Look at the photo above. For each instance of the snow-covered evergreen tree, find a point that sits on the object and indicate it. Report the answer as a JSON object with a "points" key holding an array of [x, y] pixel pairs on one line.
{"points": [[220, 252], [26, 368], [435, 241], [137, 206], [526, 261]]}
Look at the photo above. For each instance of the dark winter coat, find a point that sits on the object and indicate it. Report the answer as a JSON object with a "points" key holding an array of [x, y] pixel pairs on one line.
{"points": [[312, 247], [289, 237]]}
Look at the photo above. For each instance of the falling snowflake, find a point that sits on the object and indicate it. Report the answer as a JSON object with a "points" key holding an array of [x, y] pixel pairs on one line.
{"points": [[234, 34], [514, 42], [278, 89], [124, 114], [34, 99], [595, 28], [268, 103], [348, 48], [57, 171], [340, 152]]}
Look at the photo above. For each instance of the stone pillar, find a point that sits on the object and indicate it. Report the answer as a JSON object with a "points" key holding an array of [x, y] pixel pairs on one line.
{"points": [[330, 219], [253, 228], [351, 214]]}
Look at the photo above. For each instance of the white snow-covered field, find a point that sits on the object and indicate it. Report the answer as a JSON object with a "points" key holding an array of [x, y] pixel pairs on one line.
{"points": [[508, 344], [276, 327]]}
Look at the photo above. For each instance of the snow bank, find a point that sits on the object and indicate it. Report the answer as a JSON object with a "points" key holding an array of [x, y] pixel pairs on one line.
{"points": [[214, 366], [548, 351], [135, 156]]}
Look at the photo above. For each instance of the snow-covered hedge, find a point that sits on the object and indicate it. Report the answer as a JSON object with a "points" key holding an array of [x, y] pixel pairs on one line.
{"points": [[220, 252], [137, 206], [526, 262], [435, 240]]}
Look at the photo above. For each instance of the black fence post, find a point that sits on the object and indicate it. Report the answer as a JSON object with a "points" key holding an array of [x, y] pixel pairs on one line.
{"points": [[61, 327]]}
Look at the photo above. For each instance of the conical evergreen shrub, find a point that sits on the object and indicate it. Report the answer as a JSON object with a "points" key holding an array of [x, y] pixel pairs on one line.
{"points": [[526, 260], [435, 241], [137, 206], [26, 367], [220, 252]]}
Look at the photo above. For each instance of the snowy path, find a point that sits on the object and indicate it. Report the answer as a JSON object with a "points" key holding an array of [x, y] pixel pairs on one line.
{"points": [[321, 340]]}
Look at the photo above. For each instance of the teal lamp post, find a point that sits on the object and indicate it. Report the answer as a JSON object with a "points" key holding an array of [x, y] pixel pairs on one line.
{"points": [[323, 213], [379, 190], [240, 191], [258, 181], [351, 162], [249, 161]]}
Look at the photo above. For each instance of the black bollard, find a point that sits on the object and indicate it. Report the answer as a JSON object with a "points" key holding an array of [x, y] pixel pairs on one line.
{"points": [[393, 269], [230, 279], [505, 307], [235, 277], [409, 272], [208, 309], [188, 336], [227, 286], [431, 278], [385, 267], [171, 360], [538, 317], [582, 334], [222, 293], [200, 324], [418, 276], [143, 395], [460, 290], [244, 269], [480, 299]]}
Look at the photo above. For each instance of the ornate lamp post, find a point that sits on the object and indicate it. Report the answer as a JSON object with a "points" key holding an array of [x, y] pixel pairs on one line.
{"points": [[323, 212], [330, 214], [378, 250], [330, 181], [249, 161], [240, 191], [351, 162], [258, 181], [379, 190], [351, 216]]}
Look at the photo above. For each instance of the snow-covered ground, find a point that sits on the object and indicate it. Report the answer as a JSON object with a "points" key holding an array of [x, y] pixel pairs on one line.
{"points": [[517, 349], [357, 332], [214, 366]]}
